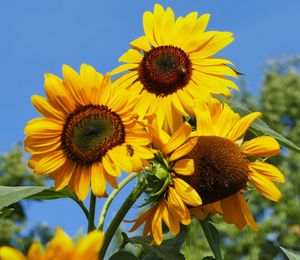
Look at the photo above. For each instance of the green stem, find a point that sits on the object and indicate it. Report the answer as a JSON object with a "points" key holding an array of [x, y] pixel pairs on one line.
{"points": [[111, 198], [91, 225], [133, 196]]}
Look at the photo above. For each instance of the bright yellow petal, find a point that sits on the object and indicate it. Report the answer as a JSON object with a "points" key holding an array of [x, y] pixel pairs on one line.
{"points": [[98, 181], [265, 186], [184, 167], [232, 212], [156, 225], [43, 127], [82, 181], [267, 170], [204, 123], [246, 212], [57, 94], [110, 167], [141, 43], [50, 162], [43, 106], [187, 193], [184, 149], [242, 126], [124, 67], [148, 27], [120, 159], [170, 221], [178, 138], [176, 204], [264, 146], [131, 56], [89, 246], [9, 253]]}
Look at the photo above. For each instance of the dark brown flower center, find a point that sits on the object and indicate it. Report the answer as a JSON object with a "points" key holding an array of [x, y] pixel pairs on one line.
{"points": [[220, 168], [90, 131], [164, 70]]}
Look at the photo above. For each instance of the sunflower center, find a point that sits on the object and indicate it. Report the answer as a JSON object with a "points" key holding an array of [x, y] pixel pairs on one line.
{"points": [[164, 70], [90, 131], [220, 168]]}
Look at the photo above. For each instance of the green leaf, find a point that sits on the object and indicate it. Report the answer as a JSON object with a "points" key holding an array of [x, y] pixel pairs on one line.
{"points": [[6, 212], [291, 254], [162, 252], [51, 194], [122, 255], [259, 127], [169, 249], [10, 195], [213, 237]]}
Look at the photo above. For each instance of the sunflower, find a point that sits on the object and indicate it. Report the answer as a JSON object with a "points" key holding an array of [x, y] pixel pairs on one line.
{"points": [[226, 165], [60, 248], [88, 133], [172, 64], [171, 205]]}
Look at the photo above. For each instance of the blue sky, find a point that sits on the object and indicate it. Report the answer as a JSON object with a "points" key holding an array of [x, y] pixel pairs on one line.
{"points": [[39, 36]]}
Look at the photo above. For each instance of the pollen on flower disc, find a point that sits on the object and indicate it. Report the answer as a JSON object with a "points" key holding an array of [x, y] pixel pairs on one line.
{"points": [[220, 168], [164, 70], [90, 131]]}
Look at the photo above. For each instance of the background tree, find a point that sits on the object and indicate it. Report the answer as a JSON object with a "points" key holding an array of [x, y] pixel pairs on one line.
{"points": [[14, 172], [279, 101]]}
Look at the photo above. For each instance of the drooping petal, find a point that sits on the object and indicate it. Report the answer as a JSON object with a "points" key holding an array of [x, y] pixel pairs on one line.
{"points": [[264, 146], [265, 186], [267, 170], [187, 193]]}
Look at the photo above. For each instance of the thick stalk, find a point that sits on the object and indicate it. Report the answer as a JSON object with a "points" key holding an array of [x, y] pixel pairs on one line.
{"points": [[133, 196], [91, 225]]}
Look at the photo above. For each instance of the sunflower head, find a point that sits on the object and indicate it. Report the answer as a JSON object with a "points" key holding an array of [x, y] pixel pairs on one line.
{"points": [[173, 63], [88, 132], [60, 247], [169, 196], [226, 165]]}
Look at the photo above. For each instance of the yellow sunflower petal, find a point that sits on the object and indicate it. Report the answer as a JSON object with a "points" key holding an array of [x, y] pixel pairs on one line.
{"points": [[178, 138], [184, 167], [204, 123], [98, 181], [43, 127], [176, 204], [109, 167], [9, 253], [89, 246], [267, 170], [43, 106], [57, 94], [183, 150], [264, 146], [242, 125], [118, 156], [63, 175], [82, 181], [187, 193], [217, 43], [41, 145], [148, 27], [141, 43], [131, 56], [246, 212], [123, 67], [265, 186], [168, 27], [50, 162], [156, 225], [34, 252], [158, 17], [169, 220]]}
